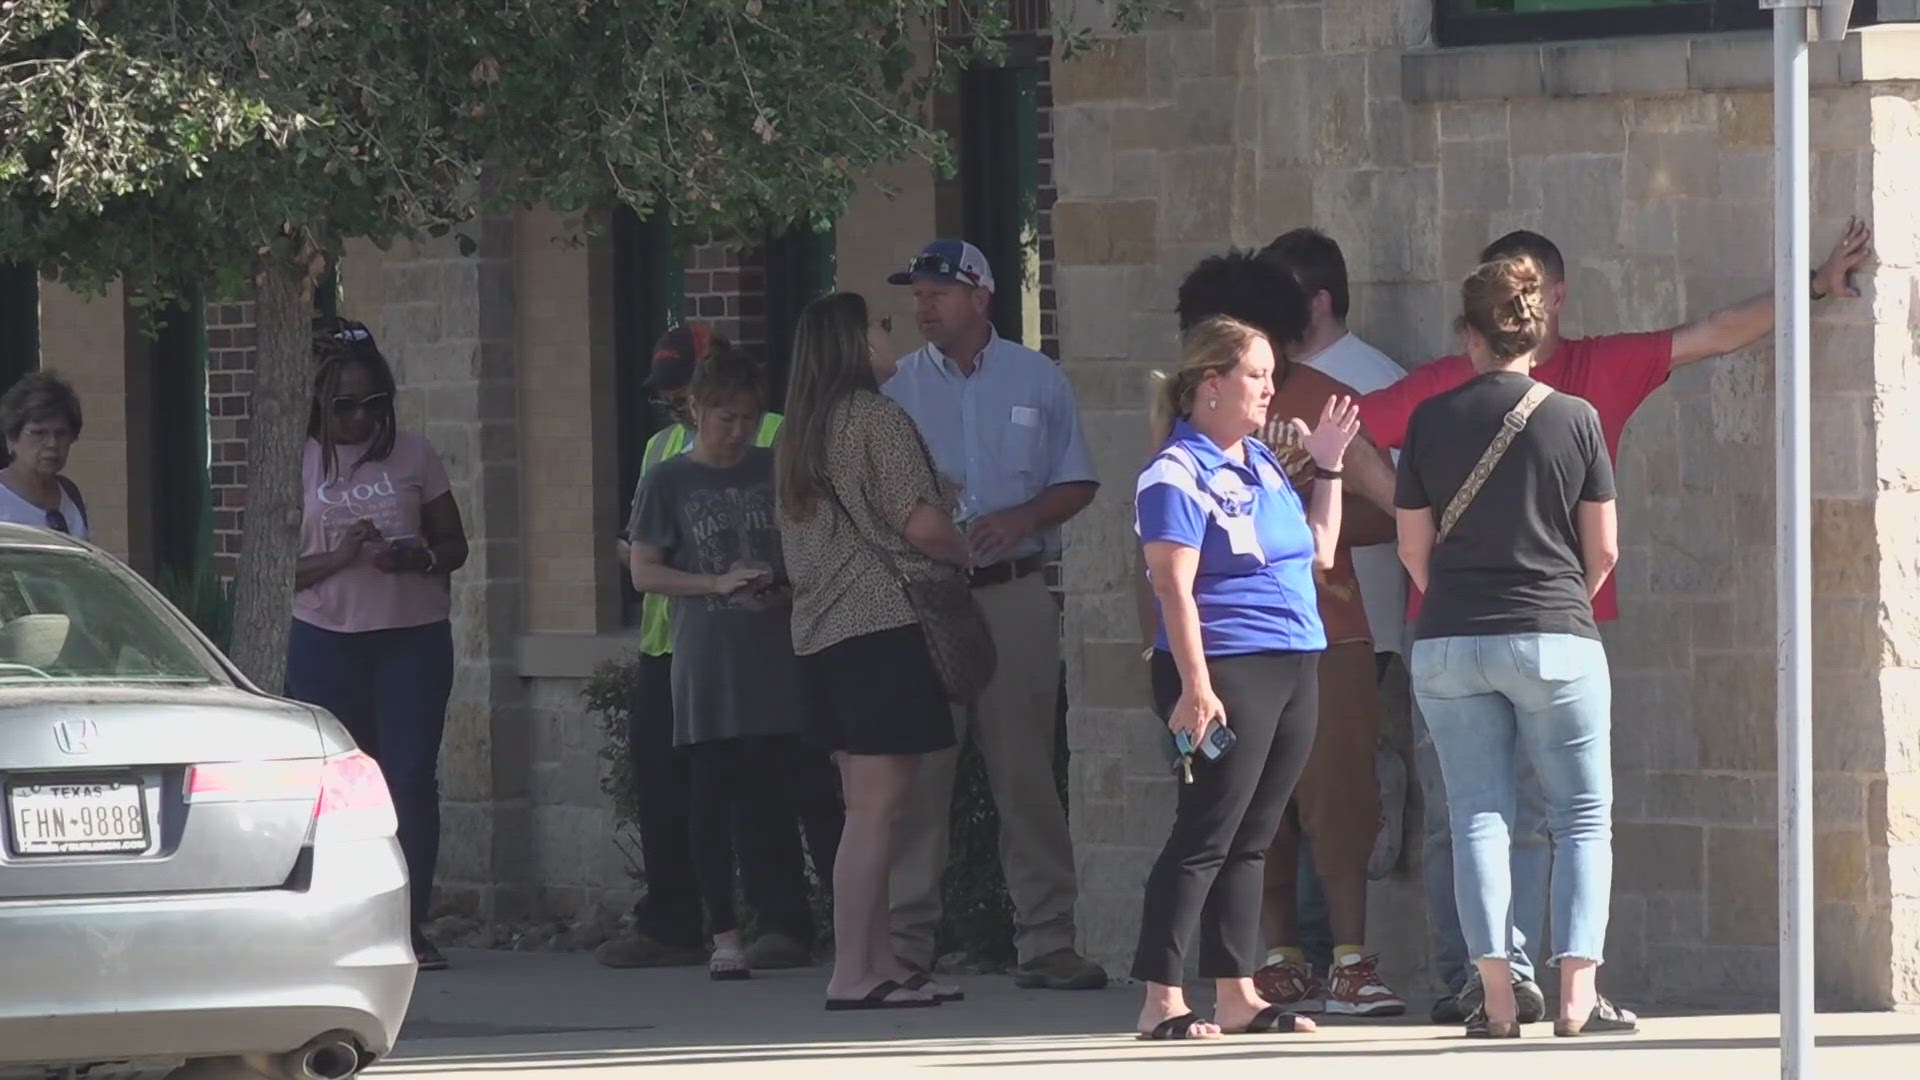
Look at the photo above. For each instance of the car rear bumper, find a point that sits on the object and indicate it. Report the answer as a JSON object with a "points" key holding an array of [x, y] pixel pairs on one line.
{"points": [[215, 974]]}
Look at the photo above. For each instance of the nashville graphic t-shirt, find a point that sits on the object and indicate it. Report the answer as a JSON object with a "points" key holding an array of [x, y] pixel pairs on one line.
{"points": [[389, 493]]}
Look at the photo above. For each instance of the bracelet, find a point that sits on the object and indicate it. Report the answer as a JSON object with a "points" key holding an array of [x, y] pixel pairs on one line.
{"points": [[1320, 473], [433, 561]]}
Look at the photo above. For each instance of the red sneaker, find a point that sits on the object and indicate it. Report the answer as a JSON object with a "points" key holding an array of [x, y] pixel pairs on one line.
{"points": [[1354, 988], [1291, 986]]}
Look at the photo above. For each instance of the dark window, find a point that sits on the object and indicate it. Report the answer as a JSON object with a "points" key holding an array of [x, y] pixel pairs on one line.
{"points": [[999, 179], [1481, 22], [800, 270], [182, 503], [648, 266], [19, 323]]}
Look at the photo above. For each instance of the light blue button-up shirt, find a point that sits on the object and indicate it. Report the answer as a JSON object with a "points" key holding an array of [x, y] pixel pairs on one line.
{"points": [[1007, 432]]}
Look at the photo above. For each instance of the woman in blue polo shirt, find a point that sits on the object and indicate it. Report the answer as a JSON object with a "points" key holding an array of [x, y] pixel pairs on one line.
{"points": [[1231, 552]]}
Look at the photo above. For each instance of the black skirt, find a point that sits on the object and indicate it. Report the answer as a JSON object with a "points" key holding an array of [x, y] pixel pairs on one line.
{"points": [[877, 694]]}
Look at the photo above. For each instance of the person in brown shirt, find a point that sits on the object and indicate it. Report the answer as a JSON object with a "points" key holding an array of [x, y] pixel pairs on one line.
{"points": [[1337, 802]]}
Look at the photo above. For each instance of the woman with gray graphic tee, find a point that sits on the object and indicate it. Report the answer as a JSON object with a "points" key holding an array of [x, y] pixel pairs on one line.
{"points": [[703, 533]]}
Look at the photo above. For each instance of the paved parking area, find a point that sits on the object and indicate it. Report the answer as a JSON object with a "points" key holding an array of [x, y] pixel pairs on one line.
{"points": [[535, 1016]]}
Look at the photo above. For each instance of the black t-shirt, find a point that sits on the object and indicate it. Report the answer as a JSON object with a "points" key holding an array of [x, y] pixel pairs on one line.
{"points": [[1512, 563]]}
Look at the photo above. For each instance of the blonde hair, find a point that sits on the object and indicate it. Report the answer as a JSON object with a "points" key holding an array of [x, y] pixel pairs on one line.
{"points": [[1214, 346], [1505, 302]]}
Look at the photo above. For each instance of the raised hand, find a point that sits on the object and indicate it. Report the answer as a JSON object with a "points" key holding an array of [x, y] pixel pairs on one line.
{"points": [[1854, 248], [1329, 439]]}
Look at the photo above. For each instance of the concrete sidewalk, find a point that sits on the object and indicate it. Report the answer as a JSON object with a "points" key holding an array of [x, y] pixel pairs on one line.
{"points": [[533, 1015]]}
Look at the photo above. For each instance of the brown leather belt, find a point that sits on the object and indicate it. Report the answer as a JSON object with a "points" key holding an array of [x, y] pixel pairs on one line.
{"points": [[1002, 572]]}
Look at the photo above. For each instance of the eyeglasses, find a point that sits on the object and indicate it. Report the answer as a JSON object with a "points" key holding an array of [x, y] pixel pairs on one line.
{"points": [[943, 267], [57, 521], [345, 406]]}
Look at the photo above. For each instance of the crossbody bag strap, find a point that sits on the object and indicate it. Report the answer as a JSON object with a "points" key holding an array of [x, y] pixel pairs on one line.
{"points": [[1510, 425]]}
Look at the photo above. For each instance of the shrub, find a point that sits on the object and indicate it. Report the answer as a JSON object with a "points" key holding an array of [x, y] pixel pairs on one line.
{"points": [[205, 598]]}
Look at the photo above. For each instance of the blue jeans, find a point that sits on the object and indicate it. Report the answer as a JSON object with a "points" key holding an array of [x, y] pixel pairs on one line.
{"points": [[1492, 703], [1529, 862], [390, 689]]}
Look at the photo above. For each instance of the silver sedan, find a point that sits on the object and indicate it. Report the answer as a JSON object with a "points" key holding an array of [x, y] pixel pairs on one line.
{"points": [[190, 870]]}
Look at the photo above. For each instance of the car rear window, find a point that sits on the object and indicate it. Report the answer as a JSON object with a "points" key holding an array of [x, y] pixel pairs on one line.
{"points": [[68, 617]]}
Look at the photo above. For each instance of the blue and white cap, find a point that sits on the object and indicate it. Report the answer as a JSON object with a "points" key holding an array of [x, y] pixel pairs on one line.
{"points": [[948, 260]]}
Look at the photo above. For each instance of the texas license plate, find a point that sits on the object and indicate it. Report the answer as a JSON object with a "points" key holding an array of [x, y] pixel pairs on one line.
{"points": [[78, 818]]}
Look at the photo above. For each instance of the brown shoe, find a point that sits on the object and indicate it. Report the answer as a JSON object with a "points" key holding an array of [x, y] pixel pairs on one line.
{"points": [[641, 951], [1062, 969]]}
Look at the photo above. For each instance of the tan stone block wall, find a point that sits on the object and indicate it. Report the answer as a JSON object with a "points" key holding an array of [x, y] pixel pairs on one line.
{"points": [[84, 339], [569, 559], [1662, 204], [889, 218]]}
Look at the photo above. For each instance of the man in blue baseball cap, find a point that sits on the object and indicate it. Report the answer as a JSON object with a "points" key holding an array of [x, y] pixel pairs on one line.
{"points": [[1000, 420]]}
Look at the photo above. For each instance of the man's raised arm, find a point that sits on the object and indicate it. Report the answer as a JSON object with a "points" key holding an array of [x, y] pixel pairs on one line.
{"points": [[1734, 328]]}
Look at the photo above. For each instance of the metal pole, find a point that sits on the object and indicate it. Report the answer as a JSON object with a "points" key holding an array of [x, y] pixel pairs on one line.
{"points": [[1794, 584]]}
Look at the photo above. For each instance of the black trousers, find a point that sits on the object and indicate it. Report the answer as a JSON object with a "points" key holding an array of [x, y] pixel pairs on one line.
{"points": [[763, 790], [1210, 873], [670, 911]]}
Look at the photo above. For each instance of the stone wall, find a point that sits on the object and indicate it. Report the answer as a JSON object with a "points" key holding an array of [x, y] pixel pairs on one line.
{"points": [[1648, 161]]}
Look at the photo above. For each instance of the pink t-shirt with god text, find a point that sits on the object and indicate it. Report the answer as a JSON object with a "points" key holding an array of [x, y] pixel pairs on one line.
{"points": [[388, 493]]}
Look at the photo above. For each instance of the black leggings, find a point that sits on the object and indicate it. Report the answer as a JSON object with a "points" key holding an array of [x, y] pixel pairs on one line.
{"points": [[760, 789], [1209, 875]]}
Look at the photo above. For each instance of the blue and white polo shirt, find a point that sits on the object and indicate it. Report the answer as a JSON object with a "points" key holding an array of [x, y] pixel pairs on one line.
{"points": [[1254, 588]]}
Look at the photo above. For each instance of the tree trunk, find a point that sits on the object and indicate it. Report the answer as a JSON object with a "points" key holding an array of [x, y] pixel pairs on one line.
{"points": [[270, 525]]}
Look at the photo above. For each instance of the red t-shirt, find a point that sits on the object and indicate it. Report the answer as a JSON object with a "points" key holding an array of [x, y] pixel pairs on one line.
{"points": [[1615, 373]]}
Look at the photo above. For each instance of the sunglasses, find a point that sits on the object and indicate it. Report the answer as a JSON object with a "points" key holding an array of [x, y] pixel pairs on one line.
{"points": [[57, 521], [345, 406], [942, 267], [352, 332]]}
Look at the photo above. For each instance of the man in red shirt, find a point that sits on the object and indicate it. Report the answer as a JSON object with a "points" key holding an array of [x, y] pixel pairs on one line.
{"points": [[1615, 372]]}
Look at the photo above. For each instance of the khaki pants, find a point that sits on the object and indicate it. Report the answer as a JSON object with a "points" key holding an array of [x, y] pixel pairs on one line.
{"points": [[1013, 726]]}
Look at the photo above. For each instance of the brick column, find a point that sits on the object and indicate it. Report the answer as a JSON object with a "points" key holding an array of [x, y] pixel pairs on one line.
{"points": [[451, 330]]}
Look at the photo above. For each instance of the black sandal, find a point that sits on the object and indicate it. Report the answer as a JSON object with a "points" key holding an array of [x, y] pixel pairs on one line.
{"points": [[1272, 1020], [1173, 1029], [879, 998], [920, 980]]}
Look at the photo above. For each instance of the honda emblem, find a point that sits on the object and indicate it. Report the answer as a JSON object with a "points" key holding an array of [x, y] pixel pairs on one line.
{"points": [[75, 736]]}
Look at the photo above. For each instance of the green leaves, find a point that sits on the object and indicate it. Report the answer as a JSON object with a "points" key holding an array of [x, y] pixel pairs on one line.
{"points": [[170, 140]]}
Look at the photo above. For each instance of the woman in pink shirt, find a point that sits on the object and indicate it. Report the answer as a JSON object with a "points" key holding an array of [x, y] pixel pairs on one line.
{"points": [[372, 642]]}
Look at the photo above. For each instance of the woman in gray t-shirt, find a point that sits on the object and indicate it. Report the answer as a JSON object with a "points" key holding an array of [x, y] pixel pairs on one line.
{"points": [[703, 533]]}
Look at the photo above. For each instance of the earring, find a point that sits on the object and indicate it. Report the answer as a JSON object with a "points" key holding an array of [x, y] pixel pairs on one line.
{"points": [[1213, 403]]}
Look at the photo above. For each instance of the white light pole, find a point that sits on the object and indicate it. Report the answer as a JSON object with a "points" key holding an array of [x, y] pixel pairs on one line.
{"points": [[1794, 583]]}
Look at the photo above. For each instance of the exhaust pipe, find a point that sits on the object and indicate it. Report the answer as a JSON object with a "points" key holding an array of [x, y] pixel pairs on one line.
{"points": [[328, 1057]]}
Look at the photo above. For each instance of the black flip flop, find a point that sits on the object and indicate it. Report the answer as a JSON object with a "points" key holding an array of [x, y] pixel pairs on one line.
{"points": [[1173, 1029], [920, 980], [877, 999], [1272, 1020]]}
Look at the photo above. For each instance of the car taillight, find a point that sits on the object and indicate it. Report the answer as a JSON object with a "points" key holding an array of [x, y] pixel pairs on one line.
{"points": [[254, 781], [349, 793], [354, 801]]}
